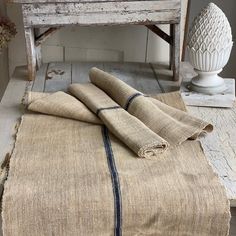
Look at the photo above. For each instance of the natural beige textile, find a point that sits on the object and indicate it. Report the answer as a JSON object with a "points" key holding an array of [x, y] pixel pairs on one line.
{"points": [[131, 131], [172, 125], [30, 97], [60, 184], [59, 104]]}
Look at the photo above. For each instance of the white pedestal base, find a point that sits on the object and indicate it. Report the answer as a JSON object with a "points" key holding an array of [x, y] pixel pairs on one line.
{"points": [[208, 83], [224, 99]]}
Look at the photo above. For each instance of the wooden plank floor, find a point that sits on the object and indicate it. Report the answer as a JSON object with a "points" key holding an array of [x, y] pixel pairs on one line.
{"points": [[219, 147]]}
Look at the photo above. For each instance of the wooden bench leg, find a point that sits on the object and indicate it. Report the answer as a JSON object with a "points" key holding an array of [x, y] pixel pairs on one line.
{"points": [[30, 52], [175, 52], [171, 61]]}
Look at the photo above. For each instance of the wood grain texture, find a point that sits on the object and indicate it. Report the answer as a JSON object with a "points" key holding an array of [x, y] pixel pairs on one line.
{"points": [[101, 13], [38, 55], [220, 146], [90, 7], [76, 1], [176, 51], [30, 52], [104, 13], [44, 13]]}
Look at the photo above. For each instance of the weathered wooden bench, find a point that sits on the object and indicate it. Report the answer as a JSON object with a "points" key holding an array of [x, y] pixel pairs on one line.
{"points": [[56, 13]]}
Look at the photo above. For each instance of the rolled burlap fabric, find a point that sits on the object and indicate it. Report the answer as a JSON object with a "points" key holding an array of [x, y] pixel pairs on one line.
{"points": [[59, 104], [130, 130], [171, 124]]}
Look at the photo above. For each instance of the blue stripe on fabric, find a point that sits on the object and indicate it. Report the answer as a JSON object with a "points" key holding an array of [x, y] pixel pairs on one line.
{"points": [[115, 182], [130, 99], [106, 108]]}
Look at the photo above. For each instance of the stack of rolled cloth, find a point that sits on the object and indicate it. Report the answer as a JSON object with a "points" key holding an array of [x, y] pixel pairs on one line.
{"points": [[171, 124], [145, 124]]}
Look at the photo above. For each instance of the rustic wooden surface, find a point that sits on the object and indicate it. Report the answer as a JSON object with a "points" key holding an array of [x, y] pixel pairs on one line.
{"points": [[31, 52], [49, 13], [74, 1], [219, 147], [102, 13]]}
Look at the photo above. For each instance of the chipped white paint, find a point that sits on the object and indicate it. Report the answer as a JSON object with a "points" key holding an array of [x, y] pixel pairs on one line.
{"points": [[89, 13], [220, 145]]}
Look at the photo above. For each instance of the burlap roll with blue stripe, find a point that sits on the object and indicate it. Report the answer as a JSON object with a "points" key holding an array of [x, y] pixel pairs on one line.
{"points": [[130, 130], [171, 124]]}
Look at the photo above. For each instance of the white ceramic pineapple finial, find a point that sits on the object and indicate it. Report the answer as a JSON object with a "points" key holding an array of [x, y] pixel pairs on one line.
{"points": [[209, 47]]}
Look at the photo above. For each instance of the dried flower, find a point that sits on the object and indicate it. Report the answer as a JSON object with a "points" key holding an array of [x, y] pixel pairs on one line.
{"points": [[7, 31]]}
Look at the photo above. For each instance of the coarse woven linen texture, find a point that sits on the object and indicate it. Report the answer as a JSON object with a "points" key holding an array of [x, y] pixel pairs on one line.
{"points": [[144, 142], [172, 125], [59, 104], [64, 173], [130, 130]]}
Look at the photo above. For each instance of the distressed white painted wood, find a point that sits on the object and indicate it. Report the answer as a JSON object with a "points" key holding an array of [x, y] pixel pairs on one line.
{"points": [[220, 145], [59, 13], [31, 54], [74, 1], [102, 13], [109, 18], [72, 8], [38, 55]]}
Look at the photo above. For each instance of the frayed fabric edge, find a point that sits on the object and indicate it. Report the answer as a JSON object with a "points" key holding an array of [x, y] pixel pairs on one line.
{"points": [[5, 167]]}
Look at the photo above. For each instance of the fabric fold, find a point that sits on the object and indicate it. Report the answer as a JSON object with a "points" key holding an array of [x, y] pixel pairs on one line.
{"points": [[171, 124], [130, 130], [59, 104], [68, 177]]}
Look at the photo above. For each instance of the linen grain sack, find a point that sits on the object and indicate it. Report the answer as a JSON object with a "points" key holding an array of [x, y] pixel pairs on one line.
{"points": [[73, 178], [131, 131], [59, 104], [172, 125]]}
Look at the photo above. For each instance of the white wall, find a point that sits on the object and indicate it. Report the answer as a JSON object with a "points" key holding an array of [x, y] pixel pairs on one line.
{"points": [[3, 59], [228, 6]]}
